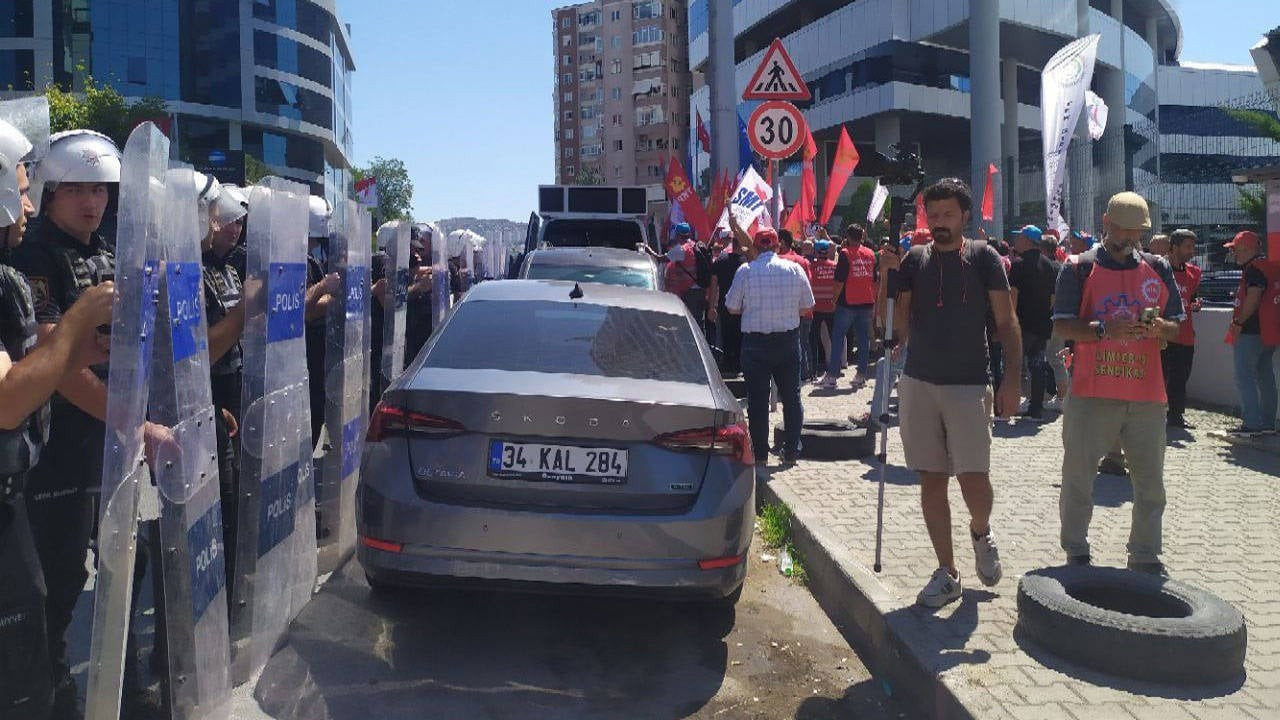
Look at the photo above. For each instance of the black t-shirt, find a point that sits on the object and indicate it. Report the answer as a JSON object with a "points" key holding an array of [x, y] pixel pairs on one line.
{"points": [[1253, 278], [20, 446], [1034, 277], [724, 268], [948, 311], [222, 292]]}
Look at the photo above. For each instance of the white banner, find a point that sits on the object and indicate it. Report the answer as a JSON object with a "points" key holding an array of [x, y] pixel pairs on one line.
{"points": [[878, 198], [1096, 111], [749, 202], [1062, 87]]}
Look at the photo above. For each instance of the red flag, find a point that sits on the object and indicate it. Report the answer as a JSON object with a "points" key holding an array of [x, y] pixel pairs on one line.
{"points": [[680, 192], [719, 196], [922, 220], [843, 166], [808, 181], [989, 195], [704, 137]]}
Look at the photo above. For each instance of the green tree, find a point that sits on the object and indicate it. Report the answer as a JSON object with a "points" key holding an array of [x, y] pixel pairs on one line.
{"points": [[589, 176], [395, 189], [100, 108], [1254, 202]]}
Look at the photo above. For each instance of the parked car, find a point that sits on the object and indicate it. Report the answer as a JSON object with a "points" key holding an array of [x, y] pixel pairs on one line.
{"points": [[610, 266], [1219, 286], [565, 434]]}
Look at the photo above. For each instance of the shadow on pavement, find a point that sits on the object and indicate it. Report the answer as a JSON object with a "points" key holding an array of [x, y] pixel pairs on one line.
{"points": [[495, 654], [945, 631], [860, 700], [1137, 687], [894, 474], [1247, 456], [1112, 490]]}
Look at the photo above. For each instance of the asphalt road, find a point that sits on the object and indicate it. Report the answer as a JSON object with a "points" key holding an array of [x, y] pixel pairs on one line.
{"points": [[485, 653]]}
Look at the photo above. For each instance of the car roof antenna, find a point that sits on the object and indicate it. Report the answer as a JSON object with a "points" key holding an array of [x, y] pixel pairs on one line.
{"points": [[576, 292]]}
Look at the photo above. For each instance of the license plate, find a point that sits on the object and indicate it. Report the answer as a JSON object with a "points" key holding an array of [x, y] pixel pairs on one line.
{"points": [[557, 463]]}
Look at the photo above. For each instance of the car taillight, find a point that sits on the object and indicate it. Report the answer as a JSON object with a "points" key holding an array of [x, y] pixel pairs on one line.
{"points": [[391, 420], [732, 440]]}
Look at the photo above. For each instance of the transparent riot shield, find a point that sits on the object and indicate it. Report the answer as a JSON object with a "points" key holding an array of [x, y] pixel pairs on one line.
{"points": [[275, 530], [346, 385], [441, 292], [193, 612], [146, 156], [394, 236]]}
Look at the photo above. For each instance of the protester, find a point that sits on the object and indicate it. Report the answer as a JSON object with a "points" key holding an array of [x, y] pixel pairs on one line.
{"points": [[1031, 283], [29, 376], [728, 324], [687, 272], [1255, 333], [855, 289], [1177, 357], [823, 282], [947, 289], [1080, 242], [1159, 245], [770, 294], [1116, 304], [787, 251]]}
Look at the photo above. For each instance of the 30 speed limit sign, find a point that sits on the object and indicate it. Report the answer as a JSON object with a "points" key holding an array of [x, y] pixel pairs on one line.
{"points": [[776, 130]]}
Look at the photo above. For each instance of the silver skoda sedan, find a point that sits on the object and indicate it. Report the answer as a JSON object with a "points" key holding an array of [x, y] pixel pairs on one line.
{"points": [[572, 435]]}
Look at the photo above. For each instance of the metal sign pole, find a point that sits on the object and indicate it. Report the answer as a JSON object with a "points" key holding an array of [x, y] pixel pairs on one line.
{"points": [[777, 193]]}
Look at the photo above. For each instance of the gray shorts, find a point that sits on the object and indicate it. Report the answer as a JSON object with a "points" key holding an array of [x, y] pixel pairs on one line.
{"points": [[945, 428]]}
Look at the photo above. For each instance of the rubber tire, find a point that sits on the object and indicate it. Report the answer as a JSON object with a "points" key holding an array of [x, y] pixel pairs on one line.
{"points": [[1205, 647], [832, 440]]}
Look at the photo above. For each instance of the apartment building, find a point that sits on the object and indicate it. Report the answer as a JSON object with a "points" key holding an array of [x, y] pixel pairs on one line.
{"points": [[621, 91]]}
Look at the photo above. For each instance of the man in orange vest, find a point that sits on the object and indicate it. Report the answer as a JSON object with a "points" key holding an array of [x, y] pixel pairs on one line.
{"points": [[823, 280], [855, 303], [1116, 304], [1176, 358], [1255, 333]]}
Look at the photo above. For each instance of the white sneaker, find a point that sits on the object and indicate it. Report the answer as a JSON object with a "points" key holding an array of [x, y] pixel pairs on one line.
{"points": [[942, 589], [986, 559]]}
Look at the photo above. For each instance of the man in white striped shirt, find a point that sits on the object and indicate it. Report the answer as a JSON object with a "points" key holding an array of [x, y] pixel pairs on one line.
{"points": [[770, 294]]}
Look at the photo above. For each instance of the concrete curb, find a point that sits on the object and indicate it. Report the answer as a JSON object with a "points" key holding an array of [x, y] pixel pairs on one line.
{"points": [[859, 606]]}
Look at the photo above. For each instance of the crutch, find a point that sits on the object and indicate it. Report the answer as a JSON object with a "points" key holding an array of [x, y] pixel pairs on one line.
{"points": [[884, 374]]}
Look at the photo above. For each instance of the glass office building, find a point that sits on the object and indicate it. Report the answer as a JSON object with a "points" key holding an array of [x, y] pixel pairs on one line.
{"points": [[270, 79], [901, 73]]}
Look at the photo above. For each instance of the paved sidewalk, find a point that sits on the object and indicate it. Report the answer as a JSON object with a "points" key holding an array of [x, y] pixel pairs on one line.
{"points": [[1222, 533]]}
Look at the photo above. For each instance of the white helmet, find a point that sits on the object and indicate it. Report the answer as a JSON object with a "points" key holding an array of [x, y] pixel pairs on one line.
{"points": [[318, 225], [76, 156], [13, 147], [230, 205], [207, 191]]}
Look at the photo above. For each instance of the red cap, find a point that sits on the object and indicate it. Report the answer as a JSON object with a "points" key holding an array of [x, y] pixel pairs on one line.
{"points": [[1053, 232], [921, 236], [1246, 239], [766, 238]]}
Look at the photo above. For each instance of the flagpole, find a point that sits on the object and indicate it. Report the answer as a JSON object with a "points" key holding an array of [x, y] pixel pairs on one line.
{"points": [[777, 193]]}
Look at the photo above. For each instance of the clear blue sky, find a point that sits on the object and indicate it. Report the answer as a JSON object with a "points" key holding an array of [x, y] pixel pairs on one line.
{"points": [[461, 91]]}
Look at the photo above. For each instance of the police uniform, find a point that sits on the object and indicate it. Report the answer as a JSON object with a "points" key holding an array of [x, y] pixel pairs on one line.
{"points": [[222, 293], [59, 268], [26, 689], [315, 339]]}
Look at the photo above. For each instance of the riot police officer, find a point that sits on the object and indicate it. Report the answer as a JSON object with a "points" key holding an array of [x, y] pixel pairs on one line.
{"points": [[320, 285], [29, 375], [62, 258]]}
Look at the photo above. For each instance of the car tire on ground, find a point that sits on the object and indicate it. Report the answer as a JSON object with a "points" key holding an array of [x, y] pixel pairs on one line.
{"points": [[832, 440], [1132, 624]]}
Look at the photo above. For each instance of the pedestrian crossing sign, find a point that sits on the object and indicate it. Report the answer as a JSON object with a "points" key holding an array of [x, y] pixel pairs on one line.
{"points": [[776, 78]]}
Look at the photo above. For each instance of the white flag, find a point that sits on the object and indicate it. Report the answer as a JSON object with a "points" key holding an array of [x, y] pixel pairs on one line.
{"points": [[878, 198], [1062, 87], [1096, 112], [749, 202]]}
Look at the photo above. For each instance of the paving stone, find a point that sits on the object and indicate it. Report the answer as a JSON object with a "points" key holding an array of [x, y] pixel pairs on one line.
{"points": [[1220, 533]]}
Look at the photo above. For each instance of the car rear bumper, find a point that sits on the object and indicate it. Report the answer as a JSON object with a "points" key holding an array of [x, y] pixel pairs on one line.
{"points": [[652, 552]]}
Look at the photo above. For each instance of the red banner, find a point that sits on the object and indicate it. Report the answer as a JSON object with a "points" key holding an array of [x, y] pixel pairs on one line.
{"points": [[846, 161], [922, 219], [989, 194], [704, 137], [680, 192]]}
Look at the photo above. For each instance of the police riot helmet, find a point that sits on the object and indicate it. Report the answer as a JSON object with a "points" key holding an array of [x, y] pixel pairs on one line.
{"points": [[13, 147], [318, 225], [81, 156]]}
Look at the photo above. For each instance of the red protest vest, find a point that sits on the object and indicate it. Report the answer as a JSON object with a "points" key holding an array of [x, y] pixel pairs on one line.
{"points": [[824, 283], [682, 276], [1120, 369], [860, 285], [1268, 309], [1188, 279]]}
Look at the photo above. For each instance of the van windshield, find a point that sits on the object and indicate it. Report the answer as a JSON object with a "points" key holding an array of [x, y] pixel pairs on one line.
{"points": [[625, 234]]}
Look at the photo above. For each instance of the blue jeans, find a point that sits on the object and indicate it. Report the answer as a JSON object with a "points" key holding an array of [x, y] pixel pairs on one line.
{"points": [[806, 351], [1256, 382], [859, 319], [772, 356]]}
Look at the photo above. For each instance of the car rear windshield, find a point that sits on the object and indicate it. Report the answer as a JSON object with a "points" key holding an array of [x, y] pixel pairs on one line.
{"points": [[630, 277], [624, 234], [573, 338]]}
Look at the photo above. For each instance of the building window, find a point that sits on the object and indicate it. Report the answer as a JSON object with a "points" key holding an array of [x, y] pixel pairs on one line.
{"points": [[646, 10], [675, 143], [617, 172], [568, 133], [566, 40], [647, 60], [617, 120], [566, 78], [566, 59], [615, 16], [568, 114], [616, 93], [569, 170], [589, 19], [568, 152], [616, 67], [564, 21], [616, 41], [617, 145], [646, 35], [568, 97]]}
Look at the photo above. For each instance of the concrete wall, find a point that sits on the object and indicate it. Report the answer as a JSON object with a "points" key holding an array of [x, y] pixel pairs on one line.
{"points": [[1213, 377]]}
